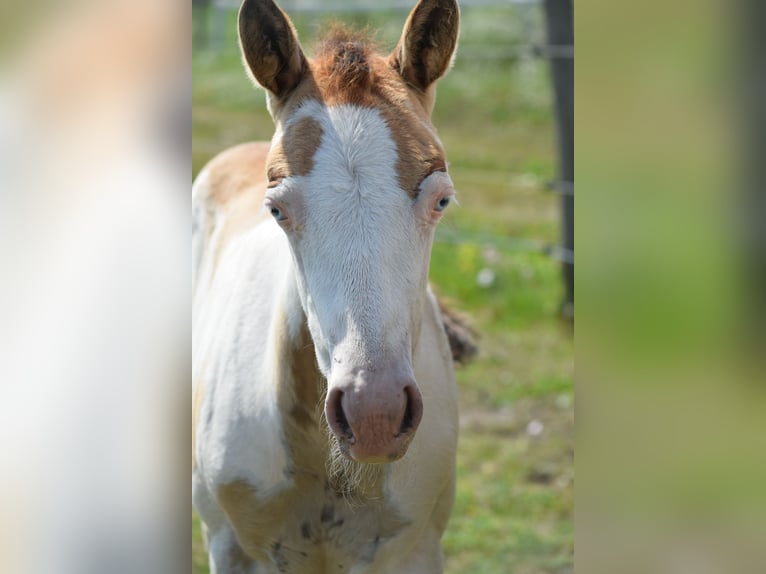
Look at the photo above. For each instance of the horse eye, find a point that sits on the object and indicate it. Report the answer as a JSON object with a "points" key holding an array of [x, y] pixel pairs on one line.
{"points": [[443, 204], [278, 214]]}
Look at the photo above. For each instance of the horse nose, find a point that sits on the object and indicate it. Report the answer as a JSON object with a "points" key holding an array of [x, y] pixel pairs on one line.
{"points": [[374, 420]]}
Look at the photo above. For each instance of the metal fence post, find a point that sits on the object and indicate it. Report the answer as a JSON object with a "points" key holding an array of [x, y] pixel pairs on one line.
{"points": [[560, 25], [200, 8], [218, 32]]}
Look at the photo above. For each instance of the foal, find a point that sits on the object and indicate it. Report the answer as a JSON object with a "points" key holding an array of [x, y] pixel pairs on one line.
{"points": [[325, 410]]}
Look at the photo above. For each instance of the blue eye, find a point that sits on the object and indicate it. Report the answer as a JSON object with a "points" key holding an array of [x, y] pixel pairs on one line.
{"points": [[443, 204], [278, 214]]}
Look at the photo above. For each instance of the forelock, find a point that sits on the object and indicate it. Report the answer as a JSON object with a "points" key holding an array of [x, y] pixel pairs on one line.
{"points": [[345, 64]]}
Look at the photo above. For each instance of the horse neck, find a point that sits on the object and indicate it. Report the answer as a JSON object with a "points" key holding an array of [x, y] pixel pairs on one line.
{"points": [[300, 385], [301, 390]]}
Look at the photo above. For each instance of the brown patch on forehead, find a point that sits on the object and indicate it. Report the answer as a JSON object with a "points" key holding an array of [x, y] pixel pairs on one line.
{"points": [[294, 153], [420, 152], [349, 71]]}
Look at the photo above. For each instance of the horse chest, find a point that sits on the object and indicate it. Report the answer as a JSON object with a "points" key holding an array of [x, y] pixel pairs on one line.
{"points": [[314, 530]]}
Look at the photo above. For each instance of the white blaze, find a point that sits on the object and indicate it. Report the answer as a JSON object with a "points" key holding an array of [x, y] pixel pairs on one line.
{"points": [[361, 253]]}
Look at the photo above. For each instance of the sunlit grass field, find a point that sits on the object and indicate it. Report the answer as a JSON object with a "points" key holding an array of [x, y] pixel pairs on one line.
{"points": [[514, 509]]}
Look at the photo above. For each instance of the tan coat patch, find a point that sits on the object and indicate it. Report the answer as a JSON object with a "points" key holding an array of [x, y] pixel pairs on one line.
{"points": [[235, 171], [236, 188], [307, 528], [293, 154]]}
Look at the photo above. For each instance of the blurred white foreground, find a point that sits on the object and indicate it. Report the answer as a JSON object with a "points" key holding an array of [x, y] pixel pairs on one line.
{"points": [[94, 291]]}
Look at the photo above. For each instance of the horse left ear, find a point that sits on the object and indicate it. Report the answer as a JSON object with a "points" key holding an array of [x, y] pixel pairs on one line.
{"points": [[428, 42]]}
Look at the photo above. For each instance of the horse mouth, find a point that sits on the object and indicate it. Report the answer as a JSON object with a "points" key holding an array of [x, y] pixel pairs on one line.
{"points": [[346, 449], [345, 445]]}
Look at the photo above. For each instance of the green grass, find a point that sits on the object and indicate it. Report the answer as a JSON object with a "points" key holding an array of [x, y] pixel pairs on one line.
{"points": [[514, 510]]}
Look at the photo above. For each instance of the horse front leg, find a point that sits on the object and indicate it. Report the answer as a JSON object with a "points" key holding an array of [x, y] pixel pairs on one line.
{"points": [[226, 555]]}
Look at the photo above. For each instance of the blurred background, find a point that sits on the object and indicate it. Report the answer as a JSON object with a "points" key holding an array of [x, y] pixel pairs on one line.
{"points": [[670, 234], [498, 259]]}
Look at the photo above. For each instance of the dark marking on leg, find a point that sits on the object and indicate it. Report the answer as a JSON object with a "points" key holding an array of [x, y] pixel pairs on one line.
{"points": [[238, 560], [280, 560], [306, 531], [328, 513]]}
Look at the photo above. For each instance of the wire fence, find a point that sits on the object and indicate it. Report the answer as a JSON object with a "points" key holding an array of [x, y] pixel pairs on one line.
{"points": [[368, 5], [535, 45], [529, 50]]}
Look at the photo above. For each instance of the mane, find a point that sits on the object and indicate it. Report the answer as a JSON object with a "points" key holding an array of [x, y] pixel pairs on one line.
{"points": [[344, 58]]}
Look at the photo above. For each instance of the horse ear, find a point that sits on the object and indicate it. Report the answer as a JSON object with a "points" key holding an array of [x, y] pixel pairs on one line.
{"points": [[270, 46], [428, 42]]}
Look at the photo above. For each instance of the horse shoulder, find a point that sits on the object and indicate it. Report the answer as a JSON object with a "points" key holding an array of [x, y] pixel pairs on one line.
{"points": [[233, 324], [238, 271], [227, 199]]}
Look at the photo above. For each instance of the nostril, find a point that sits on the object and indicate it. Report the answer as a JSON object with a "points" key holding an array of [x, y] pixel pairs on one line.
{"points": [[407, 420], [413, 411], [342, 422], [336, 416]]}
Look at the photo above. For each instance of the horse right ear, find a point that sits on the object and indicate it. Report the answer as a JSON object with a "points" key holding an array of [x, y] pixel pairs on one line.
{"points": [[428, 42], [270, 47]]}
